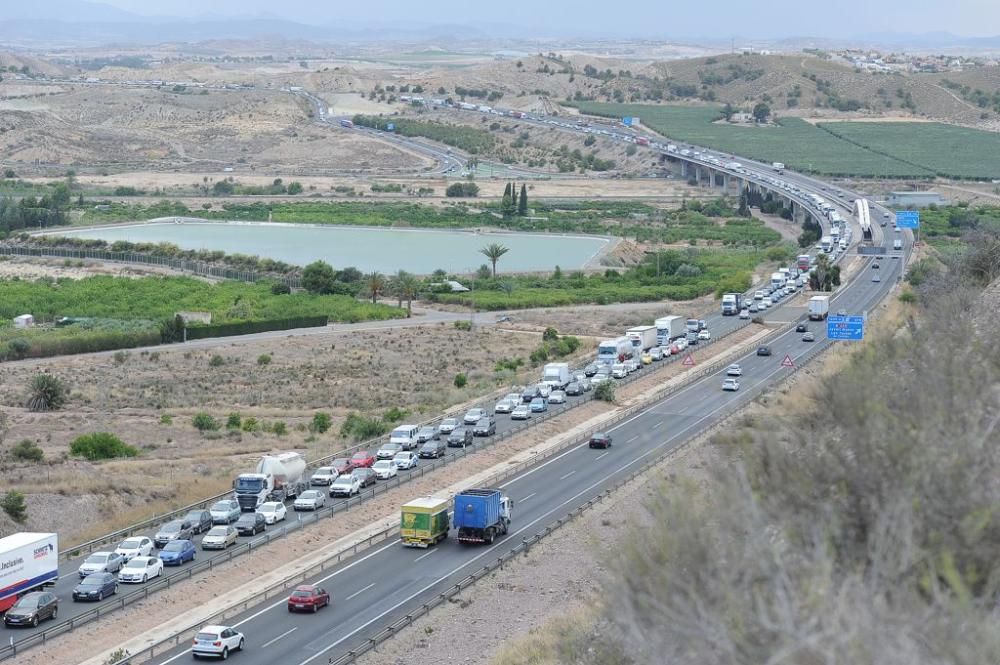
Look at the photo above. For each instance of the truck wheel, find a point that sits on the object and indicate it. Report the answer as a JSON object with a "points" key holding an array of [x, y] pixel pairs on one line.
{"points": [[489, 536]]}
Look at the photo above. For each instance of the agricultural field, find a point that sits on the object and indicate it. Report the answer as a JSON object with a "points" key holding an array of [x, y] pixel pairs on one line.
{"points": [[798, 144], [946, 150]]}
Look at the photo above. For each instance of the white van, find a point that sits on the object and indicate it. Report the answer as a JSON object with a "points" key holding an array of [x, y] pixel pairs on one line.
{"points": [[405, 436]]}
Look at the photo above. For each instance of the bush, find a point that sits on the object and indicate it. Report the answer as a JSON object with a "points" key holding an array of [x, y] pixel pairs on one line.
{"points": [[47, 393], [361, 428], [280, 428], [460, 380], [280, 289], [166, 419], [395, 415], [101, 445], [27, 450], [508, 364], [320, 423], [251, 424], [264, 359], [203, 422], [463, 325], [13, 504], [234, 421], [605, 391], [462, 190], [550, 334], [319, 277], [217, 361]]}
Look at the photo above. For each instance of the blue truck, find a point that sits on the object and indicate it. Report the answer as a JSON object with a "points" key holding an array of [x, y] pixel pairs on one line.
{"points": [[481, 515]]}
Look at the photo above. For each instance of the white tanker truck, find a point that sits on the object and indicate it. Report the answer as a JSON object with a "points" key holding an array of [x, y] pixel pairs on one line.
{"points": [[276, 478]]}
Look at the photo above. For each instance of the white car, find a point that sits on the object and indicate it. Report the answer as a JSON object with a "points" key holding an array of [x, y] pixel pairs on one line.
{"points": [[744, 313], [557, 397], [346, 485], [273, 511], [681, 343], [731, 384], [472, 416], [704, 335], [388, 451], [405, 460], [544, 390], [323, 476], [619, 371], [135, 546], [522, 412], [734, 370], [140, 569], [384, 469], [504, 406], [656, 353], [217, 641], [101, 562], [310, 500], [766, 302]]}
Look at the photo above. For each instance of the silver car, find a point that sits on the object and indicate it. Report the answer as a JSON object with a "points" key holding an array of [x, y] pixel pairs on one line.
{"points": [[310, 500], [219, 537], [472, 416]]}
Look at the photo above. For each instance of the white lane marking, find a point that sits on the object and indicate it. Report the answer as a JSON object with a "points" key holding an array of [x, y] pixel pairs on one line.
{"points": [[529, 496], [567, 475], [632, 439], [361, 591], [270, 642], [602, 456], [657, 424], [285, 601], [424, 556]]}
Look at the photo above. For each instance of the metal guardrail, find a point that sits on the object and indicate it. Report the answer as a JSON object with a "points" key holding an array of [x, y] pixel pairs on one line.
{"points": [[114, 536], [10, 650], [203, 268]]}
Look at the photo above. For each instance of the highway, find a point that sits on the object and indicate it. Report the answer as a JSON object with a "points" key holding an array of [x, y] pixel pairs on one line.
{"points": [[382, 585]]}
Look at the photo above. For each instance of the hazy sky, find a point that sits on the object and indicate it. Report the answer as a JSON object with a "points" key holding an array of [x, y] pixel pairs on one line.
{"points": [[719, 18]]}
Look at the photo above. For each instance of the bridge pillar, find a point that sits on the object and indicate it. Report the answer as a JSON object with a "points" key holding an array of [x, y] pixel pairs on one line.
{"points": [[684, 168]]}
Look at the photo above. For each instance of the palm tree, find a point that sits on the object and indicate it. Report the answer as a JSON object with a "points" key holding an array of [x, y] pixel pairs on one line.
{"points": [[407, 288], [375, 283], [493, 252]]}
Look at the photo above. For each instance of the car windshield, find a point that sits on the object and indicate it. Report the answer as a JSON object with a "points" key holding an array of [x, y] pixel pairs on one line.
{"points": [[193, 517], [207, 637], [323, 471], [309, 495], [28, 602], [128, 545], [218, 531], [449, 421], [383, 464], [136, 563], [97, 558], [93, 580], [171, 527], [268, 508], [360, 456], [175, 546], [222, 506], [298, 593], [341, 461]]}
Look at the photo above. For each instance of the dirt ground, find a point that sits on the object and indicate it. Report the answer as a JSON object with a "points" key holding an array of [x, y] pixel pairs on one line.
{"points": [[148, 399]]}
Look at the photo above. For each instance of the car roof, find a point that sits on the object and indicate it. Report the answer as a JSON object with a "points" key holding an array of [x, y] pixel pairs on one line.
{"points": [[306, 587], [213, 629]]}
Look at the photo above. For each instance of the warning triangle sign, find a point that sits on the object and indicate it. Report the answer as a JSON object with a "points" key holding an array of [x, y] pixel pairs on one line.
{"points": [[787, 362], [688, 361]]}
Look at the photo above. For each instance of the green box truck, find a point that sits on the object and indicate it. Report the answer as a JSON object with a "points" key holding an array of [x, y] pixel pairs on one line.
{"points": [[424, 522]]}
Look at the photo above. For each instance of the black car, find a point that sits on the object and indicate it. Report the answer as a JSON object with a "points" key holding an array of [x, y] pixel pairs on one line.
{"points": [[32, 608], [459, 438], [590, 370], [250, 524], [575, 388], [366, 475], [200, 520], [486, 426], [763, 351], [801, 327], [529, 394], [600, 440], [433, 449], [96, 586]]}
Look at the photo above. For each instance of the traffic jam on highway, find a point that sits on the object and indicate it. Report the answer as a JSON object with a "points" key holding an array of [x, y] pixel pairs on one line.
{"points": [[281, 486]]}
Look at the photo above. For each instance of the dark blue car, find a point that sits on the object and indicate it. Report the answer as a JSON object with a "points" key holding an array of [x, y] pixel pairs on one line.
{"points": [[96, 586], [177, 552]]}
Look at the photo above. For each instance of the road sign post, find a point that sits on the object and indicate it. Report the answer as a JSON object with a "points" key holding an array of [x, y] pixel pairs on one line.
{"points": [[846, 328]]}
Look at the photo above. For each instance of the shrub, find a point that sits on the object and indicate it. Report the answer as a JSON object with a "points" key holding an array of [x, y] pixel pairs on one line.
{"points": [[360, 427], [203, 422], [605, 391], [320, 423], [47, 393], [27, 450], [395, 415], [463, 325], [13, 504], [264, 359], [101, 445], [280, 289], [319, 277], [234, 421], [550, 334], [512, 364], [217, 361], [117, 655], [280, 428], [251, 424], [120, 357], [460, 380], [166, 419]]}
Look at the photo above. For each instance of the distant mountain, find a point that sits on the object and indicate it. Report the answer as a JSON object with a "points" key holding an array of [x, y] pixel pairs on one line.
{"points": [[66, 11]]}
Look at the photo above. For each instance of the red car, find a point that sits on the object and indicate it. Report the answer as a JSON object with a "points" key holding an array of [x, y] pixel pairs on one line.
{"points": [[600, 440], [342, 465], [308, 598], [363, 458]]}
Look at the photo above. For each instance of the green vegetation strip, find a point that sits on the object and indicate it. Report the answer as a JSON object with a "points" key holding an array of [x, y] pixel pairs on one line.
{"points": [[471, 140], [794, 142]]}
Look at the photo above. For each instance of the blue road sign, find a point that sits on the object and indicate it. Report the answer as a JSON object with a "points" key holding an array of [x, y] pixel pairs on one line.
{"points": [[908, 219], [627, 121], [390, 127], [850, 328]]}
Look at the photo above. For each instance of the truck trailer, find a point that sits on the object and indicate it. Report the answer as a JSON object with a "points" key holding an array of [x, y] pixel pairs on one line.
{"points": [[643, 338], [556, 375], [669, 328], [732, 303], [819, 308], [424, 522], [276, 478], [612, 351], [481, 515], [28, 562]]}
